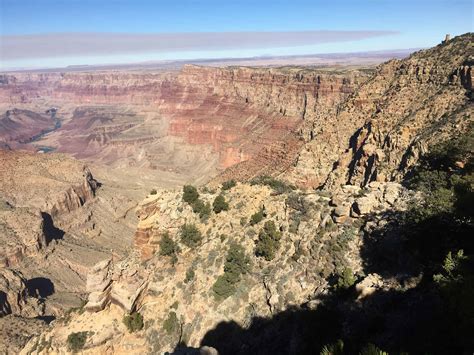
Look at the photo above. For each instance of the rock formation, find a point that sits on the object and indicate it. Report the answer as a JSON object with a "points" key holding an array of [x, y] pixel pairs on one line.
{"points": [[14, 297], [148, 120], [381, 130]]}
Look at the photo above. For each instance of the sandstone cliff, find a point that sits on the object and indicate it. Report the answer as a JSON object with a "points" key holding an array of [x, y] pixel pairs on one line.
{"points": [[249, 115], [380, 131]]}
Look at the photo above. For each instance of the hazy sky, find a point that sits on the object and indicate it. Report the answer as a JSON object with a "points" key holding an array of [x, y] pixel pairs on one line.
{"points": [[45, 33]]}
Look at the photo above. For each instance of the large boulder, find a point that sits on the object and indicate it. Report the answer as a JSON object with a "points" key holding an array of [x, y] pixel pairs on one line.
{"points": [[365, 205]]}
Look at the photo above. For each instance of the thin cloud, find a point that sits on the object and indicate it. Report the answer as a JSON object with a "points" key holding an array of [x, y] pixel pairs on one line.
{"points": [[15, 47]]}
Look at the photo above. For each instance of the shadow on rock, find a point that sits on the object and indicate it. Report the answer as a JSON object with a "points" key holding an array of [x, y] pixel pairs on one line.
{"points": [[50, 231], [40, 287]]}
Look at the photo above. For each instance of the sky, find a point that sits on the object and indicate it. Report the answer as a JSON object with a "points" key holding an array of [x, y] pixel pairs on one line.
{"points": [[56, 33]]}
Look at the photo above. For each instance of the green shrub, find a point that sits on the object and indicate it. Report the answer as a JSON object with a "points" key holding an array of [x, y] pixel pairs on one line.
{"points": [[452, 269], [201, 208], [220, 204], [190, 235], [228, 185], [333, 349], [236, 264], [168, 246], [371, 349], [190, 194], [76, 341], [257, 217], [190, 274], [171, 324], [346, 279], [277, 185], [133, 322], [153, 192], [268, 241], [223, 288]]}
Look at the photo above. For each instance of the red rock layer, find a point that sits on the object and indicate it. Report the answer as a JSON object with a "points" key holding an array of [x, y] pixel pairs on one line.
{"points": [[243, 113]]}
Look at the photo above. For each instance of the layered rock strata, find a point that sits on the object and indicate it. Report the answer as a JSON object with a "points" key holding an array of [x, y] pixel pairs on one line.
{"points": [[242, 114], [379, 132]]}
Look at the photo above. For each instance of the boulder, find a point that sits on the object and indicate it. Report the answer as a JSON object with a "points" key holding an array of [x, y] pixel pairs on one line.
{"points": [[392, 191], [365, 205], [369, 285]]}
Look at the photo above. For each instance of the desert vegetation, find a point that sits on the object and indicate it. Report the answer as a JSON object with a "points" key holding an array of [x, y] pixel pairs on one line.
{"points": [[237, 263], [268, 241], [133, 322], [76, 341], [168, 247], [220, 204], [190, 235]]}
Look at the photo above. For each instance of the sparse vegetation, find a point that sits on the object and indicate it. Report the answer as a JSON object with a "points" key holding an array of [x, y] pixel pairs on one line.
{"points": [[168, 247], [153, 192], [278, 186], [220, 204], [190, 194], [257, 217], [190, 235], [133, 322], [237, 263], [268, 241], [171, 324], [190, 274], [201, 208], [227, 185], [223, 288], [76, 341]]}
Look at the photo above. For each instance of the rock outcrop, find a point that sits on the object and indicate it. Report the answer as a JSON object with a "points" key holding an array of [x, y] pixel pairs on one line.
{"points": [[22, 234], [390, 120], [75, 196], [122, 283], [14, 297]]}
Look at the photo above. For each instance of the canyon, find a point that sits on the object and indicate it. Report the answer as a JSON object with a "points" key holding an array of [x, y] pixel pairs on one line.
{"points": [[196, 121], [92, 166]]}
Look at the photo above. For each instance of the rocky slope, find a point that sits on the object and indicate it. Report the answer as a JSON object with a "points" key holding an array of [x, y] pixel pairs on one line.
{"points": [[320, 235], [380, 131], [52, 235]]}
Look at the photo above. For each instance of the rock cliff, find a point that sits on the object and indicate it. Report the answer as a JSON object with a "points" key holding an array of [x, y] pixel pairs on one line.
{"points": [[238, 113], [380, 131]]}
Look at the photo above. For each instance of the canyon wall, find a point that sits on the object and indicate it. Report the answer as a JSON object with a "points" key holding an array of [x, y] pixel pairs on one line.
{"points": [[380, 131], [240, 113]]}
